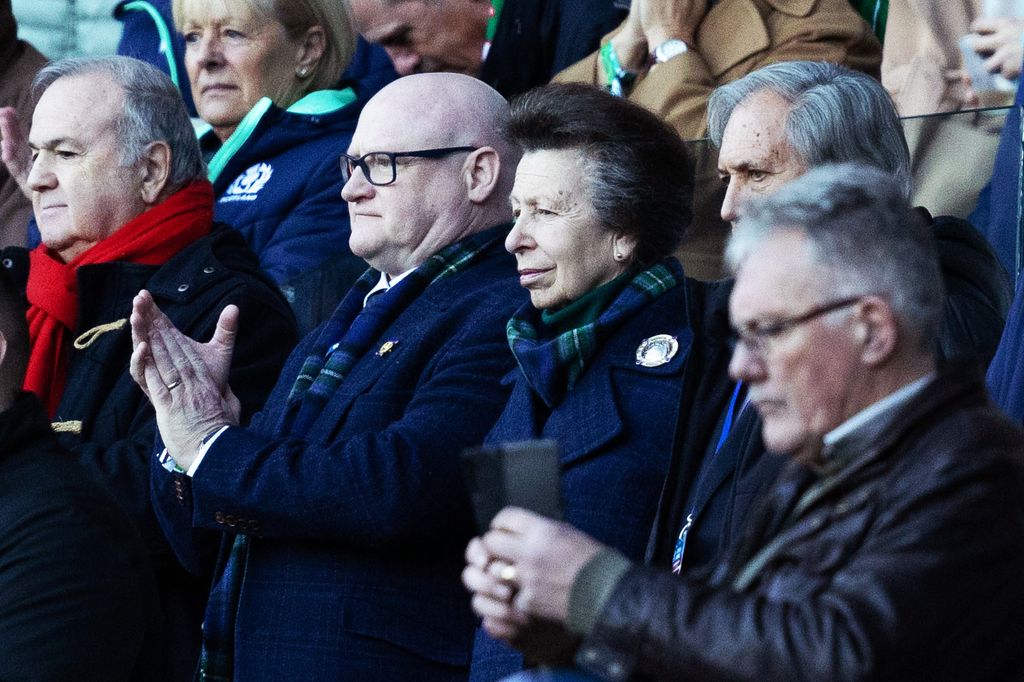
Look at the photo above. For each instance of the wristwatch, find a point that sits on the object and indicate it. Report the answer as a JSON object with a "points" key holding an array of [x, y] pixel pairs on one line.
{"points": [[667, 50]]}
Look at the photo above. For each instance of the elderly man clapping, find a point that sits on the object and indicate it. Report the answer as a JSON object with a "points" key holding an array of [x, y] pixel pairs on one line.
{"points": [[120, 196]]}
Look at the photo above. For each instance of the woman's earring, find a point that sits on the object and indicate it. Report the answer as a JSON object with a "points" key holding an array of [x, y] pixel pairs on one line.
{"points": [[303, 71], [619, 257]]}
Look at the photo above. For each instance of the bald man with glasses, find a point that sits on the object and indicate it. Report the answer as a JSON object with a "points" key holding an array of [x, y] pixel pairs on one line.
{"points": [[340, 512]]}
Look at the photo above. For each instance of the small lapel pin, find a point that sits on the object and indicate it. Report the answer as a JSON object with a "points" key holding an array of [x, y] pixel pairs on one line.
{"points": [[657, 350], [386, 348]]}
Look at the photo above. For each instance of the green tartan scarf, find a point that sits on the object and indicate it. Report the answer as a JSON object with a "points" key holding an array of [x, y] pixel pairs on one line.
{"points": [[552, 365]]}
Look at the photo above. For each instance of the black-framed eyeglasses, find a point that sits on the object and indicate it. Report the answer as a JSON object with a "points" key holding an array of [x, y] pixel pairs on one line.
{"points": [[756, 336], [380, 168]]}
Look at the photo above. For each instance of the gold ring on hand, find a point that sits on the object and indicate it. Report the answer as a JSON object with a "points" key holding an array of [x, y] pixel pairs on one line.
{"points": [[508, 573]]}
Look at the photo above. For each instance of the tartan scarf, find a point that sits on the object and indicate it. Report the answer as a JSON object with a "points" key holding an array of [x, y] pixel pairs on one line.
{"points": [[151, 238], [552, 365], [352, 329], [345, 338]]}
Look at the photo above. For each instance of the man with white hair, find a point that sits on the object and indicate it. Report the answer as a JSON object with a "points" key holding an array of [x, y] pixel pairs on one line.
{"points": [[892, 543], [771, 127], [122, 202], [342, 507]]}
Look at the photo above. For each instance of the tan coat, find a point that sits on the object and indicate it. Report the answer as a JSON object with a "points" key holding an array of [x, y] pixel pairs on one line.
{"points": [[922, 62], [737, 37]]}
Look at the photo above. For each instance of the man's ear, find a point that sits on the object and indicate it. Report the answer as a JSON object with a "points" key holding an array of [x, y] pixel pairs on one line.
{"points": [[311, 49], [482, 171], [878, 330], [155, 167]]}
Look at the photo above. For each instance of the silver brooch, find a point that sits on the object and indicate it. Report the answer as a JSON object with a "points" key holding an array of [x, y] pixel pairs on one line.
{"points": [[657, 350]]}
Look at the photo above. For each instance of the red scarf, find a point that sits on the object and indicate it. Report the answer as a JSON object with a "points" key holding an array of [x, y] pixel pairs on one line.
{"points": [[151, 238]]}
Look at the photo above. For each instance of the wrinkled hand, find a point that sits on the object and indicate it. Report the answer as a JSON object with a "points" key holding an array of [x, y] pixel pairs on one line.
{"points": [[14, 149], [667, 19], [650, 23], [494, 593], [546, 557], [629, 43], [186, 381], [999, 39]]}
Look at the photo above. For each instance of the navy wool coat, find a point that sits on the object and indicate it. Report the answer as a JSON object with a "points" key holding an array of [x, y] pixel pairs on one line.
{"points": [[615, 430], [358, 526]]}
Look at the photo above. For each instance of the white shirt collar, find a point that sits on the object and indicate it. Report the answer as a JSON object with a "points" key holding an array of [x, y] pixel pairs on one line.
{"points": [[384, 283], [890, 402]]}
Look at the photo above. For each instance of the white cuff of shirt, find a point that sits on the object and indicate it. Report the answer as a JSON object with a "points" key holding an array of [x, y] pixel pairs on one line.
{"points": [[168, 463]]}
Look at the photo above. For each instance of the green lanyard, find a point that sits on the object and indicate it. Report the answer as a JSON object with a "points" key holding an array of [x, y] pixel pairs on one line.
{"points": [[619, 79], [492, 23]]}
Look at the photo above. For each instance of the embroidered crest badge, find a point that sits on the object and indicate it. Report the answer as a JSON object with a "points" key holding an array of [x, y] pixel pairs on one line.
{"points": [[247, 185]]}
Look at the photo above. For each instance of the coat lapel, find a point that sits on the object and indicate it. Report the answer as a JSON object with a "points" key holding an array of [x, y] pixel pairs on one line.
{"points": [[726, 462]]}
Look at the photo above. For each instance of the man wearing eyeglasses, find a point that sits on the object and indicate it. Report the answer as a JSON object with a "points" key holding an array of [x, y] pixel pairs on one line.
{"points": [[771, 127], [892, 544], [340, 511]]}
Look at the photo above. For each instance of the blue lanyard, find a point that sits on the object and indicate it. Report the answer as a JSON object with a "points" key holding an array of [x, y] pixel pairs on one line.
{"points": [[729, 414], [680, 548]]}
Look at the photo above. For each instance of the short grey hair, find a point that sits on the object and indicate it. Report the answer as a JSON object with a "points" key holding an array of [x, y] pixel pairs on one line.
{"points": [[861, 228], [837, 116], [153, 111]]}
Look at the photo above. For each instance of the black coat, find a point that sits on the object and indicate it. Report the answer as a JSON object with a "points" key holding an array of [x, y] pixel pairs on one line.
{"points": [[717, 488], [117, 430], [978, 291], [907, 568], [77, 599], [535, 39]]}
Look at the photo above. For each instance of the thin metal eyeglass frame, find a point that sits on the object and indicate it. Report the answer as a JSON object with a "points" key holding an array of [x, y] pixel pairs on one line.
{"points": [[350, 163], [755, 339]]}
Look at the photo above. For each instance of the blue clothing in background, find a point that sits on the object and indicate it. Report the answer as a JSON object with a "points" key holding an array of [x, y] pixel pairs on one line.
{"points": [[1005, 378], [148, 33], [997, 213], [278, 181]]}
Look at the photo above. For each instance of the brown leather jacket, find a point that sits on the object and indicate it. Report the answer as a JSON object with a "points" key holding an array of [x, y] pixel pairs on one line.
{"points": [[906, 566]]}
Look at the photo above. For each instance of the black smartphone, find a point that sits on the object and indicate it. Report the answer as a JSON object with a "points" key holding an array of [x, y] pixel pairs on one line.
{"points": [[522, 474]]}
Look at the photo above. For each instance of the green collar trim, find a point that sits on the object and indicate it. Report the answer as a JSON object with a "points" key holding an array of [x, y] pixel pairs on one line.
{"points": [[166, 46], [237, 139], [323, 101], [319, 102]]}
